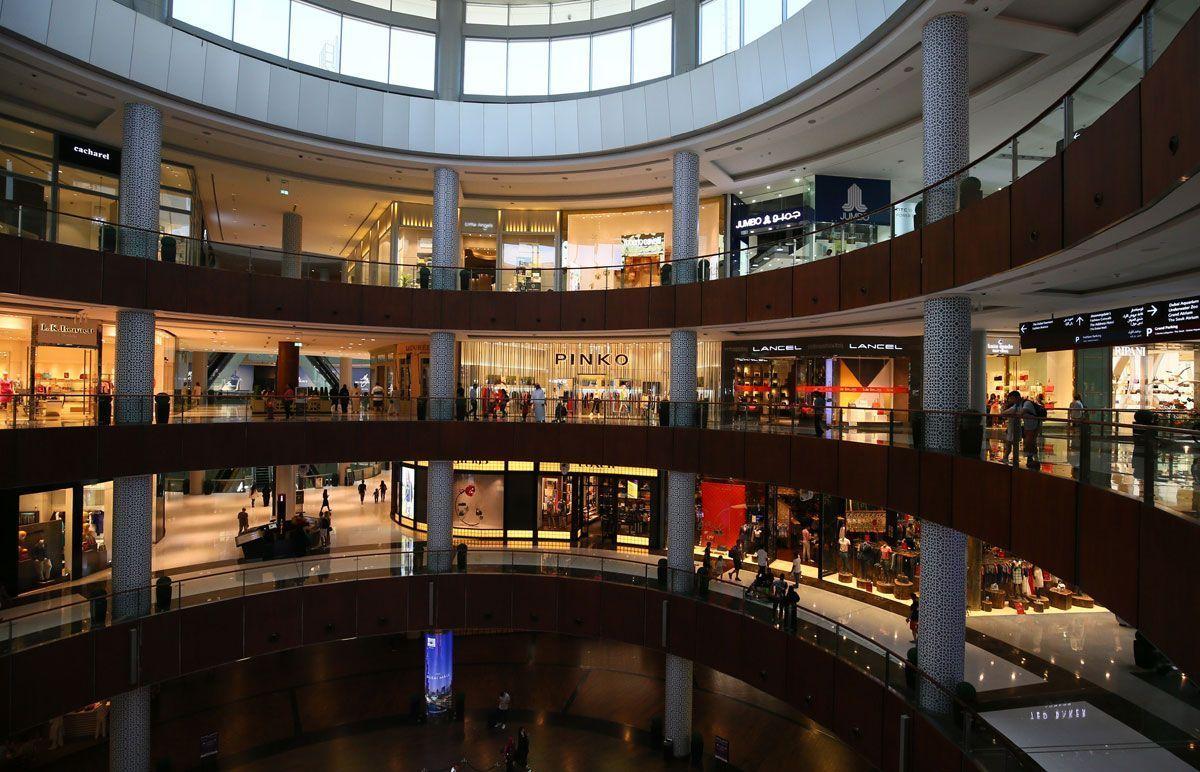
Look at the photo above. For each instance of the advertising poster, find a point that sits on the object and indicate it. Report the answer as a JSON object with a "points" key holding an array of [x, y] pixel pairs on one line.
{"points": [[408, 491], [439, 672], [478, 500]]}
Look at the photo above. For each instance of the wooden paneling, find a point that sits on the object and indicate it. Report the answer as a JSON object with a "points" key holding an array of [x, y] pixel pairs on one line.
{"points": [[814, 465], [579, 607], [160, 647], [810, 680], [936, 478], [893, 708], [538, 311], [170, 287], [332, 302], [272, 297], [723, 454], [57, 455], [210, 635], [50, 680], [932, 751], [1109, 548], [816, 287], [450, 594], [981, 238], [387, 307], [767, 297], [211, 446], [626, 445], [280, 440], [718, 634], [329, 612], [685, 449], [456, 308], [113, 648], [687, 305], [906, 266], [1037, 213], [427, 308], [660, 447], [489, 601], [723, 301], [1043, 520], [1170, 122], [10, 264], [535, 604], [1102, 171], [866, 276], [626, 309], [58, 271], [681, 623], [123, 281], [493, 310], [1168, 583], [858, 712], [763, 658], [863, 472], [623, 613], [769, 458], [937, 256], [131, 450], [981, 500], [382, 606], [904, 480], [273, 621], [583, 310], [662, 307]]}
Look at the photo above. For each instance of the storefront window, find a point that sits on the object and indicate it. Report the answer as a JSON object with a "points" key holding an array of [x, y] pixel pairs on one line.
{"points": [[42, 549], [1050, 375], [14, 360], [1155, 377], [626, 248]]}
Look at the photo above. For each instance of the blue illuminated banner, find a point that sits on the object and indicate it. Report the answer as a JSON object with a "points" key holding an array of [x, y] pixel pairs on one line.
{"points": [[844, 198], [439, 672]]}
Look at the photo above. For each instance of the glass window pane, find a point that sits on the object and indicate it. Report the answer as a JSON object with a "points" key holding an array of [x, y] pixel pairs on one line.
{"points": [[25, 165], [426, 8], [733, 25], [316, 36], [610, 59], [569, 65], [413, 59], [760, 17], [570, 10], [215, 16], [485, 13], [384, 4], [528, 14], [794, 6], [364, 49], [1113, 79], [652, 50], [88, 180], [485, 67], [643, 3], [22, 137], [602, 8], [528, 67], [262, 25], [712, 30]]}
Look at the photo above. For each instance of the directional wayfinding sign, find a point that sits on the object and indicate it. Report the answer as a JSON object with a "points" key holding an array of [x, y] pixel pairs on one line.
{"points": [[1146, 323]]}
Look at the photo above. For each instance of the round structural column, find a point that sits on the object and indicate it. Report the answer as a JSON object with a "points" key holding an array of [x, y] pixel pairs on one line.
{"points": [[685, 216], [129, 732], [141, 174], [440, 490], [678, 701], [293, 245], [346, 372], [941, 636], [945, 108], [445, 228]]}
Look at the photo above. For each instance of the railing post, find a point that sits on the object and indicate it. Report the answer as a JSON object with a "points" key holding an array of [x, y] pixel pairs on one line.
{"points": [[1085, 450], [1148, 466]]}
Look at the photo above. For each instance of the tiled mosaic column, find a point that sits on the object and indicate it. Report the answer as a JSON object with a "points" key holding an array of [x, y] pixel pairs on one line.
{"points": [[941, 636], [681, 486], [293, 245], [945, 109], [133, 497], [440, 491]]}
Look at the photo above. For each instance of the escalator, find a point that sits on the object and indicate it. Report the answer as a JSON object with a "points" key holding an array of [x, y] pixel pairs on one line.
{"points": [[327, 371], [216, 364]]}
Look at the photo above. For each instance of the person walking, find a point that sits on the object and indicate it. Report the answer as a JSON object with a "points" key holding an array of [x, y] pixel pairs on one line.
{"points": [[383, 490], [735, 556], [473, 404], [819, 413], [763, 560], [375, 494], [914, 615], [243, 521], [708, 554], [778, 595], [1032, 414], [1012, 428], [344, 398], [289, 397], [253, 493], [362, 492], [268, 398], [791, 602], [324, 497], [797, 568], [522, 755], [539, 403], [503, 402], [460, 405]]}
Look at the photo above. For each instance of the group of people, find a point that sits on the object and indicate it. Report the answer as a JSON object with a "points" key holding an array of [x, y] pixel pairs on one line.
{"points": [[493, 403], [379, 492], [1023, 418], [515, 753]]}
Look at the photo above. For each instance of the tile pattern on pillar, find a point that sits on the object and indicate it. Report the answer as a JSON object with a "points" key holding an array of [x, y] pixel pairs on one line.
{"points": [[685, 216], [439, 502], [947, 367], [946, 110], [941, 634], [441, 376], [683, 393], [681, 528], [130, 534], [141, 172], [135, 366], [677, 703], [293, 245], [129, 731], [445, 228]]}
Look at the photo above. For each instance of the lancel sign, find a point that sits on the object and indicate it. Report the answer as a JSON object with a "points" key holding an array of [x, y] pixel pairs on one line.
{"points": [[65, 331]]}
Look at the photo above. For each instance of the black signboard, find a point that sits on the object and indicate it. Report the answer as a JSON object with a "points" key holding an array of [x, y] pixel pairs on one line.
{"points": [[1146, 323], [78, 151], [208, 745], [721, 749]]}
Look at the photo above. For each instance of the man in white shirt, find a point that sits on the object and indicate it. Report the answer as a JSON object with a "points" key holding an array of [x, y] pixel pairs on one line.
{"points": [[797, 567], [761, 557]]}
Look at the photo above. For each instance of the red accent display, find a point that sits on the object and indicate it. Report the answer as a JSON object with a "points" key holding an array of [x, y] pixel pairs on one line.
{"points": [[724, 511], [854, 389]]}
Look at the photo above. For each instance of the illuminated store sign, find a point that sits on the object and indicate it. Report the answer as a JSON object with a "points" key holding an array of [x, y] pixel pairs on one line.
{"points": [[643, 245], [65, 331], [561, 358], [77, 151], [1148, 322], [821, 347], [847, 198], [789, 217], [1003, 345]]}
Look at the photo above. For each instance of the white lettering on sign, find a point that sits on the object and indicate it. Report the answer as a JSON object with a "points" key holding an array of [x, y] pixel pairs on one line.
{"points": [[1129, 351], [93, 153], [770, 219], [620, 360], [876, 346]]}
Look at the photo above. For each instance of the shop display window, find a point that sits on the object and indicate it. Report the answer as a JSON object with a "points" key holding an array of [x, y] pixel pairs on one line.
{"points": [[1050, 375], [1157, 377], [42, 547], [735, 514], [478, 504], [874, 549]]}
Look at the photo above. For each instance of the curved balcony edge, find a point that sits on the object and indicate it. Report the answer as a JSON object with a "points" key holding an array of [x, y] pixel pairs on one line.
{"points": [[1120, 550]]}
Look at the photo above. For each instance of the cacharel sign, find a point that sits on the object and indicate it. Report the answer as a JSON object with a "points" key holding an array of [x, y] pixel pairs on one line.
{"points": [[597, 359], [65, 331], [771, 219]]}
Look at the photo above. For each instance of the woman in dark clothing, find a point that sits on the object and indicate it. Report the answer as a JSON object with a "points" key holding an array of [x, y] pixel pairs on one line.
{"points": [[344, 398], [460, 405], [914, 614], [523, 748]]}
